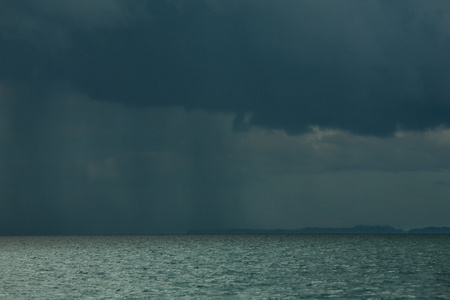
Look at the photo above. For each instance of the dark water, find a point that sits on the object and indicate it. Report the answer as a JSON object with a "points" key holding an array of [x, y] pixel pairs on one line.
{"points": [[226, 266]]}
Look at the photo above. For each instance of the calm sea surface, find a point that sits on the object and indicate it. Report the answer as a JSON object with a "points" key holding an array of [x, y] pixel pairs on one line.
{"points": [[226, 266]]}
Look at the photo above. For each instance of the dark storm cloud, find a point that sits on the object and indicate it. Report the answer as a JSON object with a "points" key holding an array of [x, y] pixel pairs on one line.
{"points": [[369, 67], [117, 116]]}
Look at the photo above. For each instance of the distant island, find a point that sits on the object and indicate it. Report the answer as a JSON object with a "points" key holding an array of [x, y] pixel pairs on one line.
{"points": [[359, 229]]}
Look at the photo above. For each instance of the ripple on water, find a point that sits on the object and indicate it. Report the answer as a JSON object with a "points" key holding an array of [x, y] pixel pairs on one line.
{"points": [[220, 266]]}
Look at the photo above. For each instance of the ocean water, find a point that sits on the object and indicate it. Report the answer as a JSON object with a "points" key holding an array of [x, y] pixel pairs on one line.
{"points": [[226, 267]]}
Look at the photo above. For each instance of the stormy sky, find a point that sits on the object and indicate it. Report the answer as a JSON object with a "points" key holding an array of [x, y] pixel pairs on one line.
{"points": [[162, 116]]}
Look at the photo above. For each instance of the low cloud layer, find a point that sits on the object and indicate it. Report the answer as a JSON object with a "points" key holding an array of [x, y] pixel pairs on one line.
{"points": [[75, 165]]}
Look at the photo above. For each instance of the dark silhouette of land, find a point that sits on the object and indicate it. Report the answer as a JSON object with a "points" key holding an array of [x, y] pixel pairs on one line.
{"points": [[359, 229]]}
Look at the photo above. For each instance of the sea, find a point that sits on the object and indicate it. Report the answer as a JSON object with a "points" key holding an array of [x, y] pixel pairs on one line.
{"points": [[303, 266]]}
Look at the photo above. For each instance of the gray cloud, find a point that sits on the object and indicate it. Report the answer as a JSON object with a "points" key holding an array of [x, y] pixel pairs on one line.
{"points": [[368, 67], [162, 116], [444, 183], [51, 24], [323, 151], [75, 165]]}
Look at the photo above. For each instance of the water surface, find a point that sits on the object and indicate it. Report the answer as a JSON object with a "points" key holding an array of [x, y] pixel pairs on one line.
{"points": [[226, 266]]}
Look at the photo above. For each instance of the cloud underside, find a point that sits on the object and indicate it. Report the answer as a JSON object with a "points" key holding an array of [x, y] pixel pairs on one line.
{"points": [[75, 165], [369, 68]]}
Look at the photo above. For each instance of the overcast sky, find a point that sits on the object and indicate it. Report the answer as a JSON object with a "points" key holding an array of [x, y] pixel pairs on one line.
{"points": [[167, 115]]}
